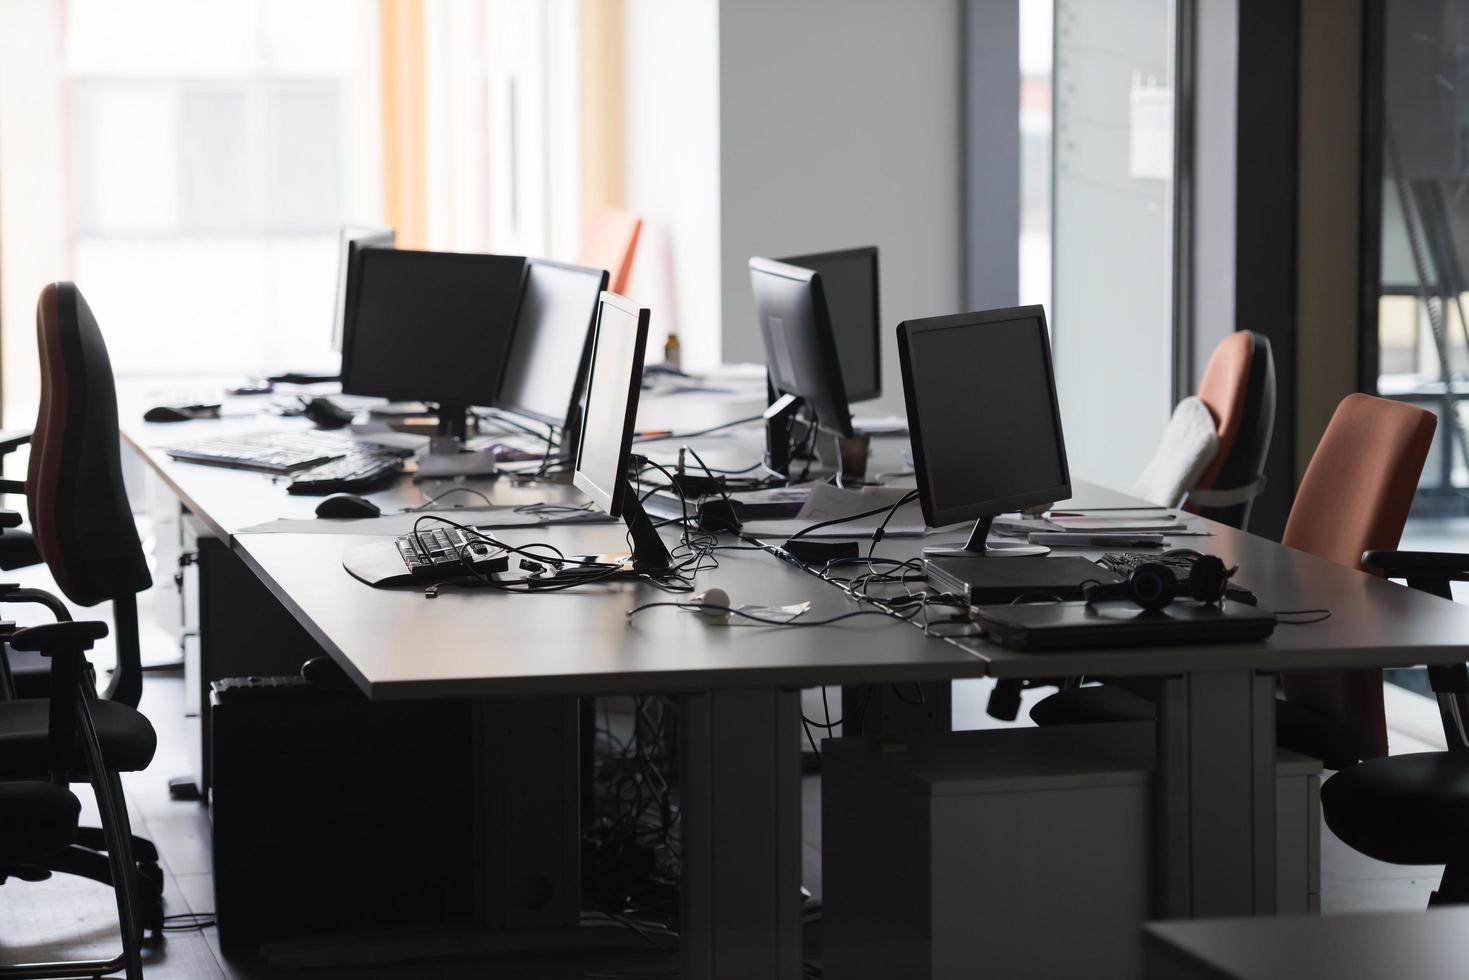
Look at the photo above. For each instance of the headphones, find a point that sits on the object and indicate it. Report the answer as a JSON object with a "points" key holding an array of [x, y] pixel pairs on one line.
{"points": [[1153, 585]]}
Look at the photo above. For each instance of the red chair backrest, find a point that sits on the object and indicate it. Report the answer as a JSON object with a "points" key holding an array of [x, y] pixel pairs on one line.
{"points": [[1355, 497], [1239, 388], [80, 517], [608, 241]]}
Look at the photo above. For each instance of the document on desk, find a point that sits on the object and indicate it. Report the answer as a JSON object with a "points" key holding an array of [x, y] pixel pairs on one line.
{"points": [[827, 503], [1172, 523], [392, 525]]}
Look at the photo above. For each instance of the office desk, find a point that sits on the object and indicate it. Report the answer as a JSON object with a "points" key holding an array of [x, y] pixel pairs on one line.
{"points": [[738, 690], [739, 687], [1216, 724]]}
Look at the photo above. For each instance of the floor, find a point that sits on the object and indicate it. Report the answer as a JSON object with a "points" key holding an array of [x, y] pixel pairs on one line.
{"points": [[65, 918]]}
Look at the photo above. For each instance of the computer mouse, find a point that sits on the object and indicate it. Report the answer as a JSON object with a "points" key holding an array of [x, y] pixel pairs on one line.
{"points": [[347, 505], [325, 671], [180, 413], [327, 414]]}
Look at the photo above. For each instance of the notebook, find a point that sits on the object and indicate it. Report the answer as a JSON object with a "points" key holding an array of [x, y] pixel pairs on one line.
{"points": [[1042, 627]]}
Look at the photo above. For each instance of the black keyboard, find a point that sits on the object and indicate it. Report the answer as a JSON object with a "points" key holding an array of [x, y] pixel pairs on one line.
{"points": [[441, 553], [267, 452], [359, 470]]}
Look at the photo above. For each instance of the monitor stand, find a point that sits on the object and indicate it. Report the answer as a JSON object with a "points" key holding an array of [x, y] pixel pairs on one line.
{"points": [[649, 555], [780, 419], [978, 547], [447, 458]]}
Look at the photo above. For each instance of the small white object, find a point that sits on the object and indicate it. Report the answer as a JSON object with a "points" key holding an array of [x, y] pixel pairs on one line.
{"points": [[712, 597], [1189, 445]]}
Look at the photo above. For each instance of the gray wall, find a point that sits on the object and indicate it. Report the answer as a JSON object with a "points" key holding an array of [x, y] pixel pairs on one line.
{"points": [[839, 125]]}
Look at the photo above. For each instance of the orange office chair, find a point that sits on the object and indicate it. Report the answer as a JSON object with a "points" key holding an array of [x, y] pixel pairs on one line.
{"points": [[1239, 388], [608, 241], [1354, 498]]}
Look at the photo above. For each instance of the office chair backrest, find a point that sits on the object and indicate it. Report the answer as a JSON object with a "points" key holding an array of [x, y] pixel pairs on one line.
{"points": [[1239, 388], [80, 516], [608, 241], [1355, 497]]}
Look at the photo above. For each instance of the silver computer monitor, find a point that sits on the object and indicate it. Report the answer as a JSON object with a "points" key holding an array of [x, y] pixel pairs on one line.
{"points": [[849, 279], [350, 241], [553, 328]]}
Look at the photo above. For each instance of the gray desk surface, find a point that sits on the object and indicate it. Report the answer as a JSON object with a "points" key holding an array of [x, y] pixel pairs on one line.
{"points": [[1373, 623], [230, 500], [1431, 945], [399, 644]]}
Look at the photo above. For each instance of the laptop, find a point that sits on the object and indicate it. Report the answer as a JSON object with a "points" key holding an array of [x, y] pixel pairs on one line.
{"points": [[1043, 627]]}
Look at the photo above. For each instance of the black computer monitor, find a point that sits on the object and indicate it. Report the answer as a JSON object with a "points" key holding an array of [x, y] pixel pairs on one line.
{"points": [[545, 371], [350, 241], [432, 327], [800, 354], [614, 381], [849, 279], [983, 418]]}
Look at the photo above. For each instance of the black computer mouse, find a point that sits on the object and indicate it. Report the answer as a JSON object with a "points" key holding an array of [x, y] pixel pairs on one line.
{"points": [[347, 505], [180, 413], [327, 414], [325, 672]]}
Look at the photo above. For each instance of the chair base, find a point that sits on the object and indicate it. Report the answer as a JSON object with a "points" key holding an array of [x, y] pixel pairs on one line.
{"points": [[83, 861]]}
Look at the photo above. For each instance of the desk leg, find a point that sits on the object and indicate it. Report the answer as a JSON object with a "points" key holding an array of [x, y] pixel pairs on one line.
{"points": [[741, 806], [1216, 795]]}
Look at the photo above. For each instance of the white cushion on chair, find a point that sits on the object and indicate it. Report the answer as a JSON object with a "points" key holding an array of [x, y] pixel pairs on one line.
{"points": [[1189, 445]]}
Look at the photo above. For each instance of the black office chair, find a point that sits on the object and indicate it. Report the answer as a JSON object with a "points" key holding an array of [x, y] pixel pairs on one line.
{"points": [[1414, 809], [45, 743], [83, 529]]}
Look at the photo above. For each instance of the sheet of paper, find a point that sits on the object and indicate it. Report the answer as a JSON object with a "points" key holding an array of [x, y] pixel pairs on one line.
{"points": [[392, 525], [1100, 524]]}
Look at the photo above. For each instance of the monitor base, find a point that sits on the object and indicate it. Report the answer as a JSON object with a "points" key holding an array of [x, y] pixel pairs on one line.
{"points": [[990, 551], [978, 546]]}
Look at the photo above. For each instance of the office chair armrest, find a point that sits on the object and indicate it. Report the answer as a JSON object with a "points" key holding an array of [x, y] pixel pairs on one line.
{"points": [[1440, 566], [66, 644], [59, 639], [9, 519], [11, 592], [13, 439]]}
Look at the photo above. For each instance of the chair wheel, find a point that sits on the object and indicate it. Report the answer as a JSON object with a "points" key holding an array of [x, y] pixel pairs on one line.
{"points": [[152, 916]]}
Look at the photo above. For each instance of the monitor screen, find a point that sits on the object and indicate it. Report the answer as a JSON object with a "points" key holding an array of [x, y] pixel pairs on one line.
{"points": [[800, 351], [982, 413], [558, 308], [614, 381], [350, 241], [430, 326], [849, 278]]}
